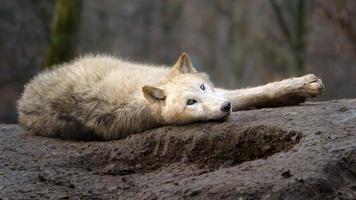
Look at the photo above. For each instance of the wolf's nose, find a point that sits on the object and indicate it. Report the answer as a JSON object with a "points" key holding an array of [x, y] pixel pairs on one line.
{"points": [[226, 107]]}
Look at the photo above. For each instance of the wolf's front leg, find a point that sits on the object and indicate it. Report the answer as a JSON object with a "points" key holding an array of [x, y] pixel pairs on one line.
{"points": [[290, 91]]}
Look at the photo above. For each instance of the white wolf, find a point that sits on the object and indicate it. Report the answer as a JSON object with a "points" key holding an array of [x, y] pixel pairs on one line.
{"points": [[101, 97]]}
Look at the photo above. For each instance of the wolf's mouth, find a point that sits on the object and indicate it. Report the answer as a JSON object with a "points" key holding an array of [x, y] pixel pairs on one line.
{"points": [[223, 118]]}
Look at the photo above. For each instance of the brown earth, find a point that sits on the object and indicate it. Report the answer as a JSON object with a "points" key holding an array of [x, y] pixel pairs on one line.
{"points": [[300, 152]]}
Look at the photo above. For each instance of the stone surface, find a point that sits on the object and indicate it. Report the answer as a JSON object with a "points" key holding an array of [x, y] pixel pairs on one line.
{"points": [[299, 152]]}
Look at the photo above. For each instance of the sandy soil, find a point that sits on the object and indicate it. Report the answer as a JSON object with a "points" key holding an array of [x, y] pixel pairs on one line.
{"points": [[300, 152]]}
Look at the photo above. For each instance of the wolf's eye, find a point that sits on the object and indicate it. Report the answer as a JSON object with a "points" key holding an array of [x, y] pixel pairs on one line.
{"points": [[202, 86], [191, 101]]}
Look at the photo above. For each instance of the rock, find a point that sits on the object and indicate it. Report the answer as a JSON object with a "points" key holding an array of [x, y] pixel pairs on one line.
{"points": [[318, 133], [343, 109], [253, 155], [71, 186], [286, 174], [41, 178], [117, 169]]}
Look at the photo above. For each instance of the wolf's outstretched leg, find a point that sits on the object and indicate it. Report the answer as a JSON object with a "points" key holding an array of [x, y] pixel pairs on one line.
{"points": [[290, 91]]}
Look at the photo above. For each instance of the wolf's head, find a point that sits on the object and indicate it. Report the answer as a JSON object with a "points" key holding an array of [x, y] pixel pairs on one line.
{"points": [[186, 96]]}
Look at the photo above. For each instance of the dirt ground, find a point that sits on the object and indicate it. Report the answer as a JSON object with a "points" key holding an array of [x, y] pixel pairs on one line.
{"points": [[300, 152]]}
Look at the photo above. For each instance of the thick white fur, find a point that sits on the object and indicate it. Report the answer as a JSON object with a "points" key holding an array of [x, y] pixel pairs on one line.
{"points": [[102, 97]]}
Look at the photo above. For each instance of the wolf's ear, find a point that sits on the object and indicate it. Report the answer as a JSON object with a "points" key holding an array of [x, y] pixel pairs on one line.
{"points": [[153, 94], [184, 65]]}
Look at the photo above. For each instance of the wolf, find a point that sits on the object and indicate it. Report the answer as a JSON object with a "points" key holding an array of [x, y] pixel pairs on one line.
{"points": [[106, 98]]}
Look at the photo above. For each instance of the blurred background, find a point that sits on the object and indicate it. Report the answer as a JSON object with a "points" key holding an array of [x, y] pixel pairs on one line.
{"points": [[239, 43]]}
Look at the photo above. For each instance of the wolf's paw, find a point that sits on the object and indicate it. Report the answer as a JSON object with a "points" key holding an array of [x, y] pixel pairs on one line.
{"points": [[309, 85]]}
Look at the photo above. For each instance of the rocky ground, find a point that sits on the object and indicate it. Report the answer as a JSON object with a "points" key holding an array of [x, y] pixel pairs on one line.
{"points": [[300, 152]]}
